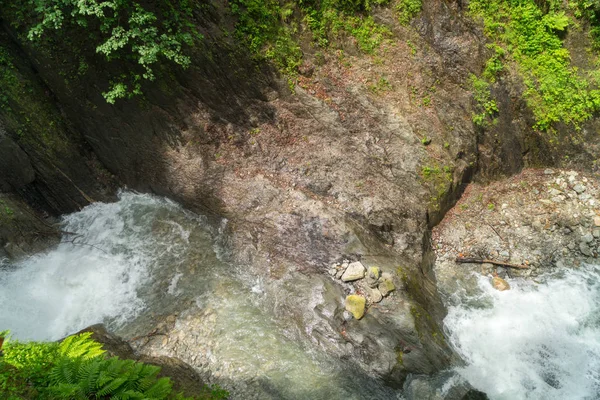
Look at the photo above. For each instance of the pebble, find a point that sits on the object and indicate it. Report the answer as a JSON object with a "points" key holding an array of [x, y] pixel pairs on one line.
{"points": [[554, 192], [579, 188], [375, 295], [356, 305], [587, 238], [596, 233], [597, 220], [585, 249], [354, 272], [347, 315], [500, 284], [548, 172]]}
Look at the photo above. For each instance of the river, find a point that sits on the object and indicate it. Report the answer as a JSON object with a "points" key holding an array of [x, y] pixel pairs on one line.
{"points": [[143, 258]]}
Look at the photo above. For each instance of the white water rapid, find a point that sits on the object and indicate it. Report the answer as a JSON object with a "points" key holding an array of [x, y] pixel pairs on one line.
{"points": [[535, 341], [93, 276]]}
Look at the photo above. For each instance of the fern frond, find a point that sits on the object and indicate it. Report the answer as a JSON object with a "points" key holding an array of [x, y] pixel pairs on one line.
{"points": [[67, 391], [88, 374], [111, 387], [81, 345], [160, 390], [64, 372]]}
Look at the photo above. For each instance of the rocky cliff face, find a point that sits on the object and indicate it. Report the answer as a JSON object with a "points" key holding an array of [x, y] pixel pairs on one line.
{"points": [[358, 163]]}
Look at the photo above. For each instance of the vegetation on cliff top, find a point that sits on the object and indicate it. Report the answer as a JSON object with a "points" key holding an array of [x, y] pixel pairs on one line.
{"points": [[531, 37], [117, 29], [76, 368]]}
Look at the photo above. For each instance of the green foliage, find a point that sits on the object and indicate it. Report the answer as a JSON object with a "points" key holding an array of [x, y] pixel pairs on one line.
{"points": [[270, 27], [485, 107], [408, 9], [555, 91], [77, 369], [439, 179], [589, 10], [119, 30], [382, 85]]}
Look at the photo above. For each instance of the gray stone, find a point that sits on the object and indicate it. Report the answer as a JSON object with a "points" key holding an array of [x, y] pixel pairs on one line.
{"points": [[587, 238], [571, 246], [354, 272], [548, 172], [339, 273], [372, 277], [333, 270], [386, 287], [579, 188], [585, 249], [347, 315], [554, 192], [501, 272], [375, 295], [596, 233], [504, 254], [487, 268]]}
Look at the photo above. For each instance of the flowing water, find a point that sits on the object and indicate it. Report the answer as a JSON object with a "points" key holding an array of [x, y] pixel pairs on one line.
{"points": [[536, 341], [143, 258]]}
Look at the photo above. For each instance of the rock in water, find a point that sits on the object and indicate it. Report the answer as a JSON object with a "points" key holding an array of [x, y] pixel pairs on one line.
{"points": [[354, 272], [500, 284], [356, 305]]}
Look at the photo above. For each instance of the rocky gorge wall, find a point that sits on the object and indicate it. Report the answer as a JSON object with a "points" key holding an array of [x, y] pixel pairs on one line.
{"points": [[358, 163]]}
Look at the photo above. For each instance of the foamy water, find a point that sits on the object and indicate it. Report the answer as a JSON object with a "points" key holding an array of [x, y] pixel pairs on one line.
{"points": [[91, 277], [535, 341]]}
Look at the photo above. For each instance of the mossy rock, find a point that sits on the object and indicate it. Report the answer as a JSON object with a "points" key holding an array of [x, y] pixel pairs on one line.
{"points": [[356, 305], [386, 286]]}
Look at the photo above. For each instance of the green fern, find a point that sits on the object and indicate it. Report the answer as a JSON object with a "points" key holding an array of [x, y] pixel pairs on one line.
{"points": [[76, 369], [97, 377], [81, 345]]}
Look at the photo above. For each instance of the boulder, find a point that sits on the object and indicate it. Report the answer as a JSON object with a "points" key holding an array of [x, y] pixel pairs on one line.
{"points": [[356, 304], [354, 272]]}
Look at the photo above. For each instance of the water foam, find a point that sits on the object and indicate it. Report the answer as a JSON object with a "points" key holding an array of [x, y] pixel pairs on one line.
{"points": [[536, 341], [92, 276]]}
